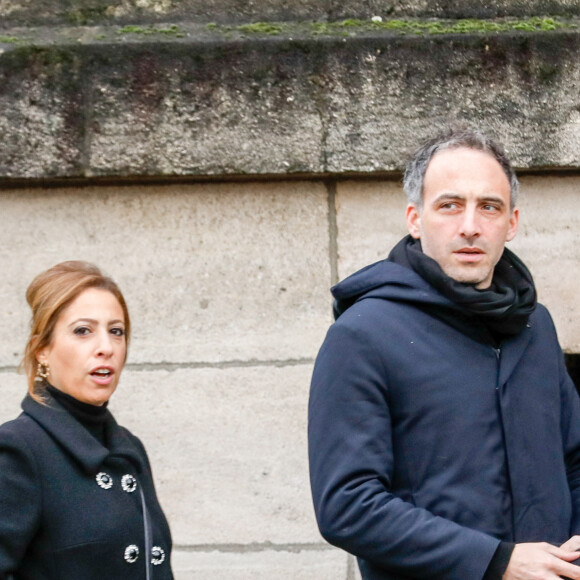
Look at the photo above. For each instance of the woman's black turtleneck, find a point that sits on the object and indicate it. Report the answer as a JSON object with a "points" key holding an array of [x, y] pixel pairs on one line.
{"points": [[91, 417]]}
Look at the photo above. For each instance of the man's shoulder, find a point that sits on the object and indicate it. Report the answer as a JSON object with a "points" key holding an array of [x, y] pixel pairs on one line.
{"points": [[541, 318], [543, 329], [373, 316]]}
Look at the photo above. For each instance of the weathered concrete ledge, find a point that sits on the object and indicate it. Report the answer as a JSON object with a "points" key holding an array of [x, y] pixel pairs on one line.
{"points": [[190, 100], [99, 12]]}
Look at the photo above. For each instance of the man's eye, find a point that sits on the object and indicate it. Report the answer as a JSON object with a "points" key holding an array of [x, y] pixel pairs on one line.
{"points": [[82, 330], [118, 331]]}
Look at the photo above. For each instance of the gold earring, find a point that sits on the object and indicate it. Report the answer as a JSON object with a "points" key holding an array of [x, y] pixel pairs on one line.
{"points": [[42, 372]]}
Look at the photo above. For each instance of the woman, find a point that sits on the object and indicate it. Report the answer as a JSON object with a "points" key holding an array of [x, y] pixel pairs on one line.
{"points": [[77, 500]]}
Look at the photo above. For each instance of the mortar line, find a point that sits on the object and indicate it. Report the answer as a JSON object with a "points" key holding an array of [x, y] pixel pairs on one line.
{"points": [[254, 547], [332, 232], [170, 367]]}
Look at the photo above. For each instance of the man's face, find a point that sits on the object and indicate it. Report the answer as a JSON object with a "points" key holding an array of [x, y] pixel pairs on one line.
{"points": [[466, 218]]}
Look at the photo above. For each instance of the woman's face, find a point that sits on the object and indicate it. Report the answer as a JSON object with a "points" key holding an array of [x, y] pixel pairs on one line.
{"points": [[87, 351]]}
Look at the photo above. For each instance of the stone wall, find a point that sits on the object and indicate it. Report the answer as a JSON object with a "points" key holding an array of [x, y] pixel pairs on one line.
{"points": [[226, 175], [228, 288], [90, 12]]}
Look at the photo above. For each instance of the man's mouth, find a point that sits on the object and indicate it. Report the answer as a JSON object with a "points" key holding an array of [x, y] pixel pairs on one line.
{"points": [[469, 254], [469, 251]]}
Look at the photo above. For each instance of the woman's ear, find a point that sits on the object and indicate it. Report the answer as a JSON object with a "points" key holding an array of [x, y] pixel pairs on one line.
{"points": [[41, 355]]}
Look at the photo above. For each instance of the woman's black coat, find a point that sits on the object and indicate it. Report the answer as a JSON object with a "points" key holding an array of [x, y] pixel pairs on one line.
{"points": [[60, 519]]}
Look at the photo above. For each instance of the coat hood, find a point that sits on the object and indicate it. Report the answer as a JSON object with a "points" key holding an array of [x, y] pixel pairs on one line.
{"points": [[388, 281]]}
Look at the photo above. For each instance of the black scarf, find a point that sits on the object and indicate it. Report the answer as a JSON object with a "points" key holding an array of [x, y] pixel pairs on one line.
{"points": [[488, 314]]}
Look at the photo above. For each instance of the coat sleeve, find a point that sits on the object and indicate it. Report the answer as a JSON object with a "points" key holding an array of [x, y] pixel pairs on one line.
{"points": [[352, 467], [571, 438], [20, 501]]}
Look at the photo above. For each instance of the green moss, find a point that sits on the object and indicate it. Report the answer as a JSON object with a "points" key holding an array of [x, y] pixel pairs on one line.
{"points": [[261, 28], [352, 23], [9, 40], [353, 26], [321, 28], [172, 30], [469, 26]]}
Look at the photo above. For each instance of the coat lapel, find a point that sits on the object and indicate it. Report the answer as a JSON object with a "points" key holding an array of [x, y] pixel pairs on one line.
{"points": [[76, 440]]}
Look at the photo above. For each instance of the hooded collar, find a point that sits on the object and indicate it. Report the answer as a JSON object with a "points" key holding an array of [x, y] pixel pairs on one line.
{"points": [[411, 277], [389, 281], [503, 308], [76, 440]]}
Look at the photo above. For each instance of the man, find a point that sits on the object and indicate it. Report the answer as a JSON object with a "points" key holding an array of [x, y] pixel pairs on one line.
{"points": [[444, 430]]}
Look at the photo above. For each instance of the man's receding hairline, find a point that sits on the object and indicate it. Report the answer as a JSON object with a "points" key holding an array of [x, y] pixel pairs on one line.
{"points": [[457, 147]]}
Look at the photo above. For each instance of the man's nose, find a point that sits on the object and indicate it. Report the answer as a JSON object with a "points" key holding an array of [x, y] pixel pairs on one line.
{"points": [[470, 227]]}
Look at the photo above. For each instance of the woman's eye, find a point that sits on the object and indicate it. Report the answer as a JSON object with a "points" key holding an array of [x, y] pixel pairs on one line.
{"points": [[118, 331], [82, 330]]}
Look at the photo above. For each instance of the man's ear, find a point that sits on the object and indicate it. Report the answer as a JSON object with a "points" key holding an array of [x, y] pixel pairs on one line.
{"points": [[413, 217], [513, 228]]}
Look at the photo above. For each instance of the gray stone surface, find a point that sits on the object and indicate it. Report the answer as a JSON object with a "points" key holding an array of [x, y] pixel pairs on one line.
{"points": [[316, 564], [548, 239], [27, 12], [228, 448], [212, 272], [370, 219], [216, 103], [217, 385], [13, 388]]}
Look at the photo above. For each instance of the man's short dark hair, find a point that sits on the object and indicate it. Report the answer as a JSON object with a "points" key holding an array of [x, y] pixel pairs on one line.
{"points": [[454, 139]]}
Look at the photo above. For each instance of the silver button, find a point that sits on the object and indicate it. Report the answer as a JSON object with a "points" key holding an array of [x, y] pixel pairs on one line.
{"points": [[104, 480], [157, 555], [128, 483], [131, 553]]}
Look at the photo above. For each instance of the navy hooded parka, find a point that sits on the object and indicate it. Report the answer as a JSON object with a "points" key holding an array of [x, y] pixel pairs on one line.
{"points": [[427, 447]]}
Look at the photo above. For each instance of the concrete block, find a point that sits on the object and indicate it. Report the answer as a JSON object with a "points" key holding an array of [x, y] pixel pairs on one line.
{"points": [[200, 124], [13, 387], [548, 241], [228, 449], [355, 569], [222, 102], [211, 272], [370, 218], [40, 127], [370, 221], [314, 564]]}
